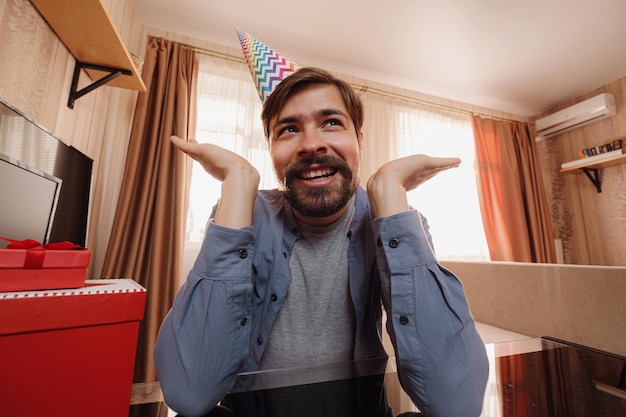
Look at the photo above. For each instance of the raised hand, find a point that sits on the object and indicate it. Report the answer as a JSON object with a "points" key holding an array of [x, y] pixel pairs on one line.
{"points": [[240, 180], [387, 187]]}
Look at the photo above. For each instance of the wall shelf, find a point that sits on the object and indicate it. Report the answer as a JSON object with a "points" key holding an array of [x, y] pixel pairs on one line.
{"points": [[592, 165], [87, 31]]}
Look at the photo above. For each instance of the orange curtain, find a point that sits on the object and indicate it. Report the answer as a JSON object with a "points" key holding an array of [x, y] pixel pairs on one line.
{"points": [[512, 197], [147, 239]]}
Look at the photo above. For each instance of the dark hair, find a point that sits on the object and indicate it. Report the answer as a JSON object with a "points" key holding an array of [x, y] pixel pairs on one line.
{"points": [[304, 77]]}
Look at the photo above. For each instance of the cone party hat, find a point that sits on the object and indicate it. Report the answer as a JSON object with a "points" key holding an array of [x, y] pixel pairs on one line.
{"points": [[267, 67]]}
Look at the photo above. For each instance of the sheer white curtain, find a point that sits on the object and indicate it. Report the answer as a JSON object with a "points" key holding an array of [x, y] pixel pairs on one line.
{"points": [[396, 127], [450, 200], [229, 115], [380, 132]]}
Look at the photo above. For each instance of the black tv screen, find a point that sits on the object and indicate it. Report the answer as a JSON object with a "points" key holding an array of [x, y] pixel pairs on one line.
{"points": [[31, 145]]}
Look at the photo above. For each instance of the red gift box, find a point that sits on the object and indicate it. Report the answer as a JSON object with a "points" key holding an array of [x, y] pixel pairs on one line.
{"points": [[70, 352], [43, 267]]}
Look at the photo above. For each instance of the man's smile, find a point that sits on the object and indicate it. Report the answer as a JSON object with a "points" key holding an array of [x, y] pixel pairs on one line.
{"points": [[317, 173]]}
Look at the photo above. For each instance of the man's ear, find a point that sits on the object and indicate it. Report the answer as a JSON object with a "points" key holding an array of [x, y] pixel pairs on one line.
{"points": [[360, 140]]}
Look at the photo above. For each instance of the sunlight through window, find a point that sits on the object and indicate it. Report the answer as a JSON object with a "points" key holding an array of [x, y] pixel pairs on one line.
{"points": [[449, 200], [229, 112]]}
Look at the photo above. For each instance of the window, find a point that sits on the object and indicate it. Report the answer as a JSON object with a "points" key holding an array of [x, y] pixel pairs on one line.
{"points": [[229, 112], [229, 115], [449, 200]]}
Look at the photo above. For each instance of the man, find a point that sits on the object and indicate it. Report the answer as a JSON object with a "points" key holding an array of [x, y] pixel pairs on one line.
{"points": [[298, 275]]}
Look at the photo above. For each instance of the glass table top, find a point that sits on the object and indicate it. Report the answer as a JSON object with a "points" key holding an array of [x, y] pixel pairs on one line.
{"points": [[538, 377]]}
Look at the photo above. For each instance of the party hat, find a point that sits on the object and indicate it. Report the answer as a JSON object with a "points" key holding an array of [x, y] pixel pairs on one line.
{"points": [[268, 67]]}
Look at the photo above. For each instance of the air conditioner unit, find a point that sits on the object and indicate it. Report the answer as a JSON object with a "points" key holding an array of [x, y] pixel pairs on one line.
{"points": [[580, 114]]}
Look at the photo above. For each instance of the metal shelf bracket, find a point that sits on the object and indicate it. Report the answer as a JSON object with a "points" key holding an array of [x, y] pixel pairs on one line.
{"points": [[76, 94], [594, 176]]}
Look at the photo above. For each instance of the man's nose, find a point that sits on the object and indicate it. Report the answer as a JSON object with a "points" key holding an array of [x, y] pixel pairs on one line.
{"points": [[311, 144]]}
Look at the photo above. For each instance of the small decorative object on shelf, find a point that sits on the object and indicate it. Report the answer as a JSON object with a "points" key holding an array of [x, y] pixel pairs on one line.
{"points": [[137, 62], [604, 148]]}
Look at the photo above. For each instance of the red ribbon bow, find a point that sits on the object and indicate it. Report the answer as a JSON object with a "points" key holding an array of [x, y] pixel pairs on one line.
{"points": [[35, 251], [33, 244]]}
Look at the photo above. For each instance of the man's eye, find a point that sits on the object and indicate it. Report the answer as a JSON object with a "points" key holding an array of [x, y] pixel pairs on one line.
{"points": [[333, 122], [287, 129]]}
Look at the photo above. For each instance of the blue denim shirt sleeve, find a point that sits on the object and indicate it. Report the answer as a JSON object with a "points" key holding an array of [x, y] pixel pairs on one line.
{"points": [[195, 367], [441, 359]]}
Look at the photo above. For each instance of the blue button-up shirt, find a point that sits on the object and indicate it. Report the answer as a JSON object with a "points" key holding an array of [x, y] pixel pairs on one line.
{"points": [[222, 316]]}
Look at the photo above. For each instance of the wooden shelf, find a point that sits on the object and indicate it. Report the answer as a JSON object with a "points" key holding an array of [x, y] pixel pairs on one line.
{"points": [[87, 31], [598, 161], [592, 165]]}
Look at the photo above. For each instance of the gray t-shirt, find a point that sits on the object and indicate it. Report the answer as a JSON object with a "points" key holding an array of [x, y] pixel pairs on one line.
{"points": [[316, 322]]}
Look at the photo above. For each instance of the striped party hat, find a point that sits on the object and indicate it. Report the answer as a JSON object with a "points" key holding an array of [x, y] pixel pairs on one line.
{"points": [[268, 67]]}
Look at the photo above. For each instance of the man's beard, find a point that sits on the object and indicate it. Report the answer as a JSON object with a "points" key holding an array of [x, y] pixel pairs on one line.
{"points": [[319, 201]]}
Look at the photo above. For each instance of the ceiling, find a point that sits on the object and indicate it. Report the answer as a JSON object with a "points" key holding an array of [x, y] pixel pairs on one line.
{"points": [[519, 57]]}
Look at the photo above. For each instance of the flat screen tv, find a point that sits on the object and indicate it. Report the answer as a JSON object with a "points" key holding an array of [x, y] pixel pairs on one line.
{"points": [[29, 201], [31, 146]]}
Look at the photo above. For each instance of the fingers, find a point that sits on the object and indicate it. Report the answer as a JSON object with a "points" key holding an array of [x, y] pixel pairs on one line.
{"points": [[178, 143], [191, 147], [175, 139], [450, 162], [413, 170], [387, 187], [426, 168], [182, 144], [435, 163]]}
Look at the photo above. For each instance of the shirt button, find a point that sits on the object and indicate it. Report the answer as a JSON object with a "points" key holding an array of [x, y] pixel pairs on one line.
{"points": [[393, 243], [379, 242], [273, 297], [404, 320], [349, 234], [259, 340], [244, 321], [243, 253]]}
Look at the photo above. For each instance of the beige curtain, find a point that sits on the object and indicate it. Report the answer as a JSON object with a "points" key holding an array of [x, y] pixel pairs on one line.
{"points": [[380, 132], [512, 198], [148, 232]]}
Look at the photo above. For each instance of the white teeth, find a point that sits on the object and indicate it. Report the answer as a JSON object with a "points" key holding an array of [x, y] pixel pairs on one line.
{"points": [[315, 174]]}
